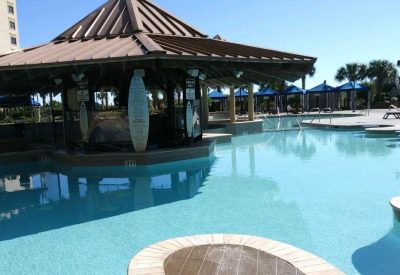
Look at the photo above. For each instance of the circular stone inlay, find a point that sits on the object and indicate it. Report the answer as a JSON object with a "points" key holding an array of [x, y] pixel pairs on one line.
{"points": [[227, 254], [225, 259]]}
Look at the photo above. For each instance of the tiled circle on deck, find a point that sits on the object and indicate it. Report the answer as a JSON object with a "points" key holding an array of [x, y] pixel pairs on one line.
{"points": [[226, 254]]}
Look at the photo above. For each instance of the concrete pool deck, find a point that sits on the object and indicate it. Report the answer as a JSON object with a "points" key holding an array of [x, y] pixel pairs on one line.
{"points": [[227, 254], [372, 123]]}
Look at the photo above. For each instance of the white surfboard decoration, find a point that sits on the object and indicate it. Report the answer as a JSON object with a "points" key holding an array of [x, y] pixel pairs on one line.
{"points": [[189, 119], [84, 124], [138, 114]]}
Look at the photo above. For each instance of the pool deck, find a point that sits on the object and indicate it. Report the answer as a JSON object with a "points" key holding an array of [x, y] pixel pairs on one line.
{"points": [[372, 123], [227, 254]]}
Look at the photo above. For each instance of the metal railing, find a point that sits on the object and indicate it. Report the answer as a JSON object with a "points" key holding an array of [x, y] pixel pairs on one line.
{"points": [[325, 110]]}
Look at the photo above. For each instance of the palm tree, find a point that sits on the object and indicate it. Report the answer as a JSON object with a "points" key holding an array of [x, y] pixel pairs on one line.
{"points": [[381, 72], [352, 72], [312, 72]]}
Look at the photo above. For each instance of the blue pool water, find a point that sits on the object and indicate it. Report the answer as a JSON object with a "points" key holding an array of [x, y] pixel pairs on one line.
{"points": [[322, 191]]}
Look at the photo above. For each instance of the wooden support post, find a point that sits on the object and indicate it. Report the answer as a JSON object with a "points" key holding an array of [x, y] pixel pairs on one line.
{"points": [[171, 111], [199, 108], [204, 98], [53, 120], [305, 100], [250, 102], [64, 99], [232, 105]]}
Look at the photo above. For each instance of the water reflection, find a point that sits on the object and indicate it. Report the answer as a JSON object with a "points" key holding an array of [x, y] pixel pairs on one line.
{"points": [[297, 143], [354, 144], [305, 143], [36, 198]]}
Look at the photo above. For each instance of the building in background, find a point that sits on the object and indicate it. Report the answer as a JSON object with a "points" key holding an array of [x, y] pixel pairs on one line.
{"points": [[9, 38]]}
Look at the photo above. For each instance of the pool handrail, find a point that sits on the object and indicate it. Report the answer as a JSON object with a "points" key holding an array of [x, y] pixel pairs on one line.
{"points": [[319, 115]]}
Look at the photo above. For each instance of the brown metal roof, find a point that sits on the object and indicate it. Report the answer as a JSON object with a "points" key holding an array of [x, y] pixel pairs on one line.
{"points": [[140, 45], [175, 45], [76, 51], [118, 17], [137, 30]]}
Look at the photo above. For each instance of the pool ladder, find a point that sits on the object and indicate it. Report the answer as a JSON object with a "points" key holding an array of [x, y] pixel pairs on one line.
{"points": [[319, 115]]}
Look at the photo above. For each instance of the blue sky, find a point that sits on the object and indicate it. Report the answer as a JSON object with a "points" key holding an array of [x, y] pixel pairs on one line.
{"points": [[335, 31]]}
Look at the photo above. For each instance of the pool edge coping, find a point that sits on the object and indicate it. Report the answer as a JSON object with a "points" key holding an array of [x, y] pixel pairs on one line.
{"points": [[151, 259]]}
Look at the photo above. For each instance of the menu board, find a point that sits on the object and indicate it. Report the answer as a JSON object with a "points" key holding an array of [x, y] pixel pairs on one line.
{"points": [[82, 91], [190, 89]]}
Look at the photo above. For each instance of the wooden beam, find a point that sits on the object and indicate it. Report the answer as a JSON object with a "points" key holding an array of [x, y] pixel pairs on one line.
{"points": [[232, 104]]}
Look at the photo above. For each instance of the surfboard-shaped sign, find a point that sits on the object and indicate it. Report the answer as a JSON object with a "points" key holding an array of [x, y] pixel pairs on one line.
{"points": [[189, 119], [138, 112], [84, 123]]}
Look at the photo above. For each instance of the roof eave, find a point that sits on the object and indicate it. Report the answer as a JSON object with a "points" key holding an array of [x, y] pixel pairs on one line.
{"points": [[156, 55]]}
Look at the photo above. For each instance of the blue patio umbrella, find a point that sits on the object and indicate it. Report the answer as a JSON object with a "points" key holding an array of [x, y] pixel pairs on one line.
{"points": [[217, 95], [294, 90], [241, 93], [353, 87], [322, 89], [266, 92], [21, 101]]}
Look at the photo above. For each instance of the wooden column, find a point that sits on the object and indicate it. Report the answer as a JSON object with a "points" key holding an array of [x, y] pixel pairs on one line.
{"points": [[250, 101], [204, 99], [199, 107], [64, 100], [171, 111], [53, 120], [305, 96], [232, 105]]}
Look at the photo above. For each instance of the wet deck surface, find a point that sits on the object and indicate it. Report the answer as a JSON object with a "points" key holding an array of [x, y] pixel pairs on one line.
{"points": [[225, 259]]}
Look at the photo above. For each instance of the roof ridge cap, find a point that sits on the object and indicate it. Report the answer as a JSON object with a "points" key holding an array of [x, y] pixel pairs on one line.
{"points": [[134, 15], [151, 46]]}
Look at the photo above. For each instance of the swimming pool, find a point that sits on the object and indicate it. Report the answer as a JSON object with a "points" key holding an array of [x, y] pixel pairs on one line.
{"points": [[323, 191]]}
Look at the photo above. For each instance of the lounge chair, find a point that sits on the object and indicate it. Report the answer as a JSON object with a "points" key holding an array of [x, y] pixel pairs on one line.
{"points": [[314, 110], [395, 114], [327, 110]]}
